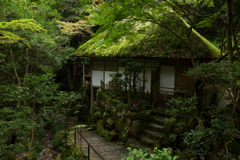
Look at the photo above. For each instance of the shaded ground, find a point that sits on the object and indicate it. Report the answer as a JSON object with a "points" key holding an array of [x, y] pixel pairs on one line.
{"points": [[108, 150], [48, 153]]}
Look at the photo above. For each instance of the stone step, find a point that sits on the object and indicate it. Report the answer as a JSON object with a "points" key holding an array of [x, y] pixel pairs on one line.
{"points": [[158, 119], [153, 134], [147, 140], [162, 105], [161, 112], [136, 144], [155, 127]]}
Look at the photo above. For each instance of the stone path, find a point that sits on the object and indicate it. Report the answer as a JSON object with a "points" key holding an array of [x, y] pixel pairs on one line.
{"points": [[108, 150]]}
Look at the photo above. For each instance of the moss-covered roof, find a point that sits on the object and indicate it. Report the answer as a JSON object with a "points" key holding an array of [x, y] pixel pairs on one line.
{"points": [[153, 42]]}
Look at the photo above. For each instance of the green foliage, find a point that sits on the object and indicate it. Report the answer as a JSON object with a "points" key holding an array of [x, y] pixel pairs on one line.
{"points": [[182, 109], [136, 32], [32, 47], [58, 139], [33, 101], [97, 112], [217, 75], [163, 154], [121, 115], [199, 142]]}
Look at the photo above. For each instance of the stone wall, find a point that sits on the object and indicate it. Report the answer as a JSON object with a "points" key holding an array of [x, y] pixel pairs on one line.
{"points": [[114, 121]]}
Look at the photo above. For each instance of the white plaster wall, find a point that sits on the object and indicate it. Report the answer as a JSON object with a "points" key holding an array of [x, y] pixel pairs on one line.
{"points": [[107, 77], [96, 77], [148, 78], [167, 78]]}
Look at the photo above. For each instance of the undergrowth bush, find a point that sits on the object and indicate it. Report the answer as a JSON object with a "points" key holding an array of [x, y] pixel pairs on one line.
{"points": [[140, 154]]}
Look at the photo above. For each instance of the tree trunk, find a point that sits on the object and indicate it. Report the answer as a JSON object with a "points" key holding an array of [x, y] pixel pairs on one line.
{"points": [[229, 30], [33, 121], [70, 70]]}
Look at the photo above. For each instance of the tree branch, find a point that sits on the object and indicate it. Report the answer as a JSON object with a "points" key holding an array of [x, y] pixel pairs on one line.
{"points": [[68, 40]]}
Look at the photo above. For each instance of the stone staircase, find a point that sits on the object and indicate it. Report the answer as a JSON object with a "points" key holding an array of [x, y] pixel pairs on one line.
{"points": [[155, 128]]}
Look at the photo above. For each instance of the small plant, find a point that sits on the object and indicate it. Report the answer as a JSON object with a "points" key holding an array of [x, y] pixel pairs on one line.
{"points": [[97, 112], [198, 142], [127, 128], [119, 114], [163, 154]]}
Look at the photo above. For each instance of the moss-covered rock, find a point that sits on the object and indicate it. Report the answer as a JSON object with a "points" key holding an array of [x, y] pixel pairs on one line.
{"points": [[105, 118], [93, 125], [100, 94], [135, 129], [191, 123], [135, 109], [108, 100], [179, 129], [100, 127], [102, 105], [184, 155], [128, 121], [110, 123], [168, 127], [147, 115], [135, 115], [114, 113], [94, 105], [123, 136], [119, 124], [200, 125], [91, 120], [144, 115], [111, 135], [129, 142]]}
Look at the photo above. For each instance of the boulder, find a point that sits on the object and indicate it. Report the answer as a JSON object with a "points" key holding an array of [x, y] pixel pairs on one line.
{"points": [[135, 115], [128, 121], [184, 155], [168, 127], [110, 123], [191, 123], [123, 136], [100, 127], [105, 118], [114, 113], [119, 125], [135, 129], [110, 136]]}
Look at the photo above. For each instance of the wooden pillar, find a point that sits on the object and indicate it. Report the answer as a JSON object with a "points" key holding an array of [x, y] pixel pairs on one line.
{"points": [[144, 70], [155, 96], [165, 95], [91, 109], [83, 73]]}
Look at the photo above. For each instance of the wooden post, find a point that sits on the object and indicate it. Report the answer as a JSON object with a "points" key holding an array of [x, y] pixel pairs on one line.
{"points": [[150, 98], [91, 101], [91, 109], [144, 70], [165, 95], [83, 73], [155, 96], [147, 95]]}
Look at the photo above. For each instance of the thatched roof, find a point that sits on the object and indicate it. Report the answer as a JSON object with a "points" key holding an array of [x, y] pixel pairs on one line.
{"points": [[152, 42]]}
